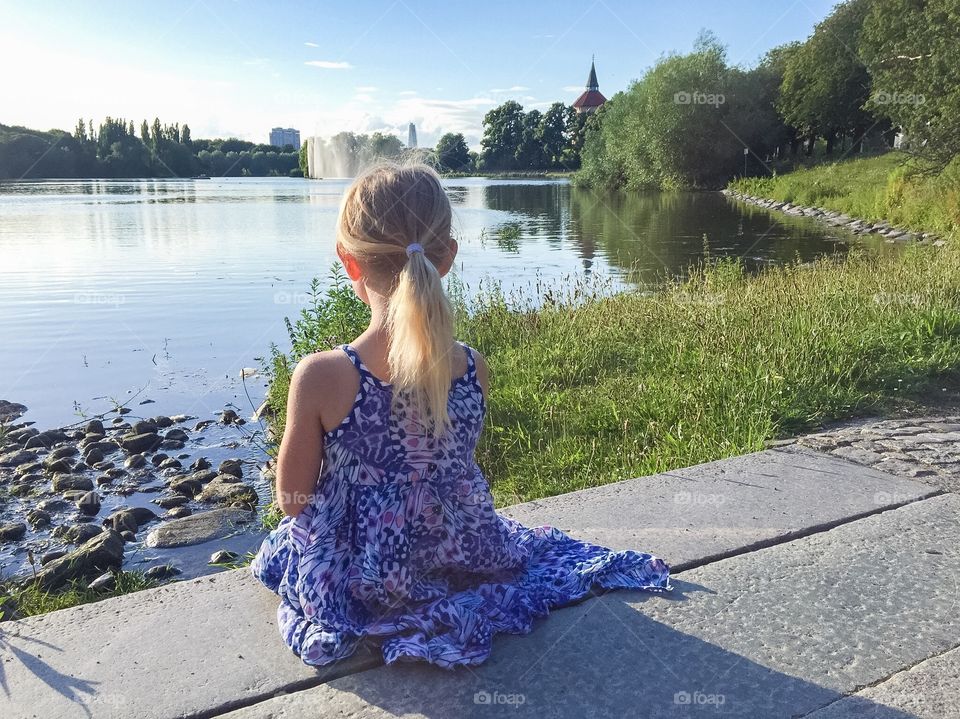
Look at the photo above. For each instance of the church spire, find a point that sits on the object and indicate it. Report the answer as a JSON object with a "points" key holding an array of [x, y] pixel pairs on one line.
{"points": [[592, 83]]}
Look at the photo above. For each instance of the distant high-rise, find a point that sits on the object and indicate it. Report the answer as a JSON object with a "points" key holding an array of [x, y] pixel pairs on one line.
{"points": [[280, 136], [412, 135]]}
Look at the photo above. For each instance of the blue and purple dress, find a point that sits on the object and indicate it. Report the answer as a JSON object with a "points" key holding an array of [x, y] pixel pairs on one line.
{"points": [[401, 545]]}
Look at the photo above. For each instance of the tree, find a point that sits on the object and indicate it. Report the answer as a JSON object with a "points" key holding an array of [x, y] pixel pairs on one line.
{"points": [[502, 136], [453, 155], [825, 83], [553, 126], [185, 134], [912, 51], [529, 154]]}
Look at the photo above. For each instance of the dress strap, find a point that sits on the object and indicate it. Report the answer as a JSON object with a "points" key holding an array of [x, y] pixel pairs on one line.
{"points": [[471, 362], [355, 358]]}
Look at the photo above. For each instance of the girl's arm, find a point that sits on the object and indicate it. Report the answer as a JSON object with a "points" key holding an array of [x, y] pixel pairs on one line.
{"points": [[301, 451]]}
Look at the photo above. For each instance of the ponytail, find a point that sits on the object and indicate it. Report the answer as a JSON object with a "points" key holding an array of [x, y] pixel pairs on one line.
{"points": [[420, 324], [396, 220]]}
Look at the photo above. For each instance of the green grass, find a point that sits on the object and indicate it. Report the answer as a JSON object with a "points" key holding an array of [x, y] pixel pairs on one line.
{"points": [[18, 601], [883, 188], [590, 389]]}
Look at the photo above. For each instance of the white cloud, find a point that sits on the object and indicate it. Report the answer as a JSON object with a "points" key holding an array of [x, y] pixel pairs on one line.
{"points": [[329, 64], [573, 88], [407, 92], [311, 44], [366, 88], [362, 97], [515, 88]]}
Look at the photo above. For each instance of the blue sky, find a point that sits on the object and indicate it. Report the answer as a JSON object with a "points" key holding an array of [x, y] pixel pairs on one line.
{"points": [[238, 68]]}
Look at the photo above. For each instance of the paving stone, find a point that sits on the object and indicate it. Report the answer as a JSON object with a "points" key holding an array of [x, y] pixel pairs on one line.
{"points": [[779, 632], [929, 690], [190, 647]]}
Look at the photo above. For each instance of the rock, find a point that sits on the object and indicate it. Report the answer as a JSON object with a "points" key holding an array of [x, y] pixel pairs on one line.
{"points": [[163, 422], [53, 504], [46, 439], [200, 463], [178, 513], [171, 500], [22, 436], [171, 444], [93, 456], [161, 571], [74, 495], [20, 490], [231, 466], [128, 536], [48, 557], [104, 480], [144, 426], [228, 416], [177, 434], [61, 465], [226, 490], [94, 426], [105, 582], [223, 557], [178, 418], [115, 472], [38, 518], [203, 424], [186, 486], [198, 528], [158, 458], [12, 531], [134, 461], [98, 554], [103, 466], [64, 482], [130, 519], [171, 463], [89, 503], [140, 442], [78, 533], [10, 411], [29, 468], [61, 452], [123, 410], [91, 439], [17, 457]]}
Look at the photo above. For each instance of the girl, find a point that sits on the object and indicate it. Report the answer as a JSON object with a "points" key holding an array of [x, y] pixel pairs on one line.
{"points": [[390, 530]]}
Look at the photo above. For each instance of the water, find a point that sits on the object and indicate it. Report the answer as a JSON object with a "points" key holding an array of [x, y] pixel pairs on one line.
{"points": [[170, 288], [163, 291]]}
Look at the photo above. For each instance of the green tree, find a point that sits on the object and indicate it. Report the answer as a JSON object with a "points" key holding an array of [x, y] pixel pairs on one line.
{"points": [[530, 153], [912, 50], [552, 136], [453, 155], [503, 128]]}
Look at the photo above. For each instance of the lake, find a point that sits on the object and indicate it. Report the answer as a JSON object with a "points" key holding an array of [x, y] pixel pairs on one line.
{"points": [[166, 289]]}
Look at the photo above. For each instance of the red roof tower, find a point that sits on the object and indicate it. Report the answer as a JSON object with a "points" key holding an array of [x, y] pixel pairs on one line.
{"points": [[592, 98]]}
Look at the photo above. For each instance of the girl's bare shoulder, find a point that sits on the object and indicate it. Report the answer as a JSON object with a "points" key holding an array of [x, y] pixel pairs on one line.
{"points": [[324, 376]]}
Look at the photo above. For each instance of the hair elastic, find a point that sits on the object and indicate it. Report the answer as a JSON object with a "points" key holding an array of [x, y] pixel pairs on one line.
{"points": [[414, 247]]}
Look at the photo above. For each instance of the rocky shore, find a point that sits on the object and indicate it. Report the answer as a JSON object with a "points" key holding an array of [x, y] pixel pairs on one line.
{"points": [[837, 219], [78, 502]]}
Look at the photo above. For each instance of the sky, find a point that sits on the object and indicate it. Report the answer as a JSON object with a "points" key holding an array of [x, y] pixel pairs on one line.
{"points": [[234, 68]]}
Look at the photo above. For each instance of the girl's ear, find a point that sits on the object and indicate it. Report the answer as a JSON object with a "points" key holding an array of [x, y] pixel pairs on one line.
{"points": [[350, 263], [444, 267]]}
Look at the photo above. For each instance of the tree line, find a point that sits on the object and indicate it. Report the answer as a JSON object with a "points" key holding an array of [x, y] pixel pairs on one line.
{"points": [[871, 72], [117, 148]]}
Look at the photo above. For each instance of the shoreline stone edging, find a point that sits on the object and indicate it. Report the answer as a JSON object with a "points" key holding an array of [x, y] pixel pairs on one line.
{"points": [[838, 219]]}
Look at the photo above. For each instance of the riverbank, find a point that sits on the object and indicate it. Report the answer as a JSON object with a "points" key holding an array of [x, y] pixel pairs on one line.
{"points": [[885, 192]]}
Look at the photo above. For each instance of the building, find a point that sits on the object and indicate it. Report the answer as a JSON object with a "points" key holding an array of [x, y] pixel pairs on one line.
{"points": [[592, 98], [411, 135], [280, 136]]}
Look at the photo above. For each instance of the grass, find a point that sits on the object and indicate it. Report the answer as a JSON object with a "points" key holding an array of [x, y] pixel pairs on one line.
{"points": [[888, 187], [18, 601], [588, 389]]}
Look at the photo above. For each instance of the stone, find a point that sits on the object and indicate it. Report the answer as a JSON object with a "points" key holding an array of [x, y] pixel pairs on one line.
{"points": [[64, 482], [144, 426], [12, 531], [186, 486], [38, 518], [161, 571], [17, 457], [158, 458], [48, 557], [105, 582], [74, 495], [29, 468], [78, 533], [10, 411], [163, 422], [200, 463], [171, 500], [142, 442], [231, 466], [93, 456], [223, 557], [228, 416], [104, 480], [226, 490], [94, 426], [177, 434], [54, 504], [171, 444], [130, 519], [198, 528], [177, 513], [89, 503], [98, 554], [171, 463], [128, 536], [203, 424], [61, 452]]}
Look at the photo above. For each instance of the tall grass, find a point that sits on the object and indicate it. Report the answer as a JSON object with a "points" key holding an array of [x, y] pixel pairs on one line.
{"points": [[589, 389], [884, 188]]}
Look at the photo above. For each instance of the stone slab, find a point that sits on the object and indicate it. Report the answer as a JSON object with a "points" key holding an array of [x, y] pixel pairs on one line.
{"points": [[929, 690], [212, 643], [699, 514], [779, 632]]}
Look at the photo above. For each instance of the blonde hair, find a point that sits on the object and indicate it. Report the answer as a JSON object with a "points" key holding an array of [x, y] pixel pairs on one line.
{"points": [[386, 209]]}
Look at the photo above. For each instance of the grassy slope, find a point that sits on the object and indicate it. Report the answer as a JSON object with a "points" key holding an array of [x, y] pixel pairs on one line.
{"points": [[875, 188]]}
